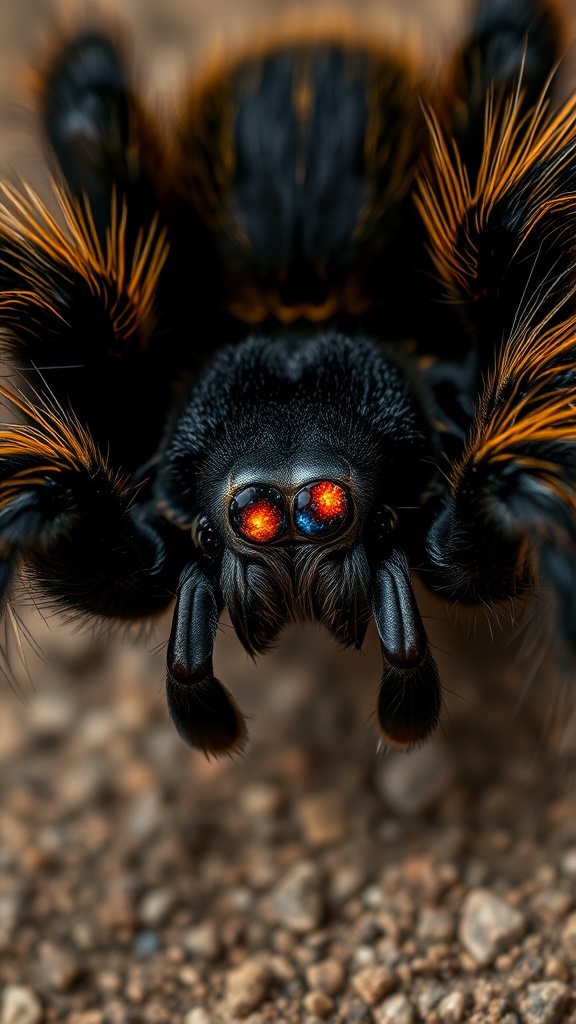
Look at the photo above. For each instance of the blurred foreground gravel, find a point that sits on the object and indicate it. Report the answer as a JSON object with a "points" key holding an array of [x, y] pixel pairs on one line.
{"points": [[315, 878], [311, 879]]}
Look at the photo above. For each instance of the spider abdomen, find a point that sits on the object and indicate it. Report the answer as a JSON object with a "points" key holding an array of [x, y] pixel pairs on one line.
{"points": [[299, 159]]}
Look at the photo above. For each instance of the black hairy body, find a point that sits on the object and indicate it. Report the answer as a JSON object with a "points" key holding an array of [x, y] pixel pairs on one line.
{"points": [[300, 162], [263, 299]]}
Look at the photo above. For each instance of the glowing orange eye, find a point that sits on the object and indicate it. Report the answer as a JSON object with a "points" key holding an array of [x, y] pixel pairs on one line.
{"points": [[258, 514], [321, 508]]}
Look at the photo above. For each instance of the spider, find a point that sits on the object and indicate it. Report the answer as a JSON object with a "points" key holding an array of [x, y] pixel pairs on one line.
{"points": [[319, 337]]}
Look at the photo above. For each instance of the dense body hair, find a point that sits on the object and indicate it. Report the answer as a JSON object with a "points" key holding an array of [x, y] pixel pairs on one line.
{"points": [[325, 390], [503, 244], [330, 400]]}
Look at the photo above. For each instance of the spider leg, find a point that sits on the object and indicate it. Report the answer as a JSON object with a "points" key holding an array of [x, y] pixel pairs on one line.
{"points": [[72, 520], [202, 710], [514, 46], [501, 223], [78, 320], [510, 519], [100, 135], [502, 242], [410, 697], [491, 194]]}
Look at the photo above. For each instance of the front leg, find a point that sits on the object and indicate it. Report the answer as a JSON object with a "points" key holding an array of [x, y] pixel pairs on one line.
{"points": [[204, 713]]}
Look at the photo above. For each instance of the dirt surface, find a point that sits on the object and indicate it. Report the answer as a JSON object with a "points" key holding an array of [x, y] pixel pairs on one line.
{"points": [[315, 877]]}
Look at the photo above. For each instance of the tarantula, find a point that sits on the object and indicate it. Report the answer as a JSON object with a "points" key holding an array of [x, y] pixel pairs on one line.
{"points": [[244, 387]]}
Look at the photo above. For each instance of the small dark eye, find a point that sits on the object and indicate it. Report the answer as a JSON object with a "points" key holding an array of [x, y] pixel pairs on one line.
{"points": [[385, 522], [258, 514], [205, 537], [321, 508]]}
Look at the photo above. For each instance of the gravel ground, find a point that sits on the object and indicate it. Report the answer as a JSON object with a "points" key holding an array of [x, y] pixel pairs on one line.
{"points": [[316, 877]]}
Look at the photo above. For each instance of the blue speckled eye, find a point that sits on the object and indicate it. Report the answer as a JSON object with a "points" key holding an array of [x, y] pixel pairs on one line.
{"points": [[321, 508]]}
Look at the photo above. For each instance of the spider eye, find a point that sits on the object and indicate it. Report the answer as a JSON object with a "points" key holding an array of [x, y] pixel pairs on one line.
{"points": [[258, 514], [205, 537], [385, 522], [321, 508]]}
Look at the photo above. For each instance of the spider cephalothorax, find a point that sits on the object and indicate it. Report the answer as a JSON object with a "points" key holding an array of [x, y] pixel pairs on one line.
{"points": [[296, 458]]}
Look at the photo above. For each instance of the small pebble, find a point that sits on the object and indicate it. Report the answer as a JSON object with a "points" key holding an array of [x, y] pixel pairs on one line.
{"points": [[544, 1002], [555, 967], [109, 981], [247, 987], [52, 715], [428, 997], [59, 968], [89, 1017], [415, 784], [568, 862], [364, 956], [10, 905], [281, 968], [452, 1009], [261, 800], [198, 1016], [551, 904], [569, 936], [346, 882], [116, 1012], [395, 1010], [84, 935], [328, 976], [202, 941], [156, 906], [372, 896], [322, 818], [146, 943], [488, 925], [20, 1005], [297, 899], [144, 816], [373, 983], [436, 924], [318, 1003]]}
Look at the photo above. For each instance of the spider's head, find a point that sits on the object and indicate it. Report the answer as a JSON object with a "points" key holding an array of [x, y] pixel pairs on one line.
{"points": [[290, 525], [291, 466]]}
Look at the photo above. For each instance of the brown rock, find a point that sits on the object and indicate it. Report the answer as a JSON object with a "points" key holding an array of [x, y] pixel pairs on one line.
{"points": [[20, 1005], [373, 983], [318, 1003], [247, 987], [544, 1002], [327, 976], [488, 925], [297, 900], [395, 1010]]}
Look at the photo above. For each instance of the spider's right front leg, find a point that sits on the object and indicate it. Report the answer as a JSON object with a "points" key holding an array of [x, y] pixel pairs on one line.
{"points": [[510, 519]]}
